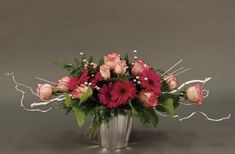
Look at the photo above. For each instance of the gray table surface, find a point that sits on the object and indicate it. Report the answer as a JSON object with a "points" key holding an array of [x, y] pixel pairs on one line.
{"points": [[34, 34], [24, 132]]}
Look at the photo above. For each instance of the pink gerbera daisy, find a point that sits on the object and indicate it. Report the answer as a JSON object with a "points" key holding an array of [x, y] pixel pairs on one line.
{"points": [[150, 80]]}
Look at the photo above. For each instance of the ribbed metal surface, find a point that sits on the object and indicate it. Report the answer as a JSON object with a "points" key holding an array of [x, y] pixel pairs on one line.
{"points": [[115, 134]]}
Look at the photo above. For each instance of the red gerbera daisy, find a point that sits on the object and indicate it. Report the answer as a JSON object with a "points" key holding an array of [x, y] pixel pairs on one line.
{"points": [[122, 91], [114, 94], [150, 80], [105, 96]]}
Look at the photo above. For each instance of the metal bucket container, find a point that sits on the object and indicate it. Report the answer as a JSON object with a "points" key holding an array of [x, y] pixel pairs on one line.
{"points": [[115, 134]]}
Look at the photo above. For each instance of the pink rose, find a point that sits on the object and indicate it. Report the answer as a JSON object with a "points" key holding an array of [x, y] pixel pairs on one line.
{"points": [[44, 91], [105, 72], [139, 66], [63, 83], [148, 99], [194, 94], [111, 60], [79, 91], [121, 67], [172, 82]]}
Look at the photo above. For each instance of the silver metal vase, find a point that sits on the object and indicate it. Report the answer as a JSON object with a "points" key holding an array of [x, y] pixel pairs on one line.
{"points": [[115, 134]]}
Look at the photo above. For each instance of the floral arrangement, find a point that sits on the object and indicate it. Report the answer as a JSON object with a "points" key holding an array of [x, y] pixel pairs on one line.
{"points": [[118, 86]]}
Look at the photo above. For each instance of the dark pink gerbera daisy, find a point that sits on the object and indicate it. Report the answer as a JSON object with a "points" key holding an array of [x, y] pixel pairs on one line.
{"points": [[114, 94], [105, 96], [84, 76], [150, 80], [77, 80], [96, 78], [122, 91], [72, 82]]}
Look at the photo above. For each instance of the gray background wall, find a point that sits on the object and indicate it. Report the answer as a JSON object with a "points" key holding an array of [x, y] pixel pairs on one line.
{"points": [[34, 34]]}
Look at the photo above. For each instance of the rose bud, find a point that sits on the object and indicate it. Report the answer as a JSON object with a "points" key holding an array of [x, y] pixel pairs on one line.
{"points": [[148, 99], [44, 91], [139, 66], [105, 72], [172, 82], [194, 94], [79, 91], [63, 84], [121, 67], [111, 60]]}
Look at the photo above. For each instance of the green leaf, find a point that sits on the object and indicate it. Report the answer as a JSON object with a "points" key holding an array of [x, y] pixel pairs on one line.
{"points": [[63, 65], [126, 58], [133, 111], [148, 117], [86, 95], [165, 86], [77, 62], [122, 78], [101, 62], [168, 106], [80, 116], [67, 100], [94, 126], [162, 98], [89, 106], [60, 64]]}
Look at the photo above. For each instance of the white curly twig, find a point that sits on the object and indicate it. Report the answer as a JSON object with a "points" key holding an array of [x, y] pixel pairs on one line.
{"points": [[191, 115], [177, 70], [176, 73], [21, 84], [190, 82], [27, 109], [188, 104], [23, 95], [41, 79], [172, 67], [183, 71], [202, 113], [57, 99]]}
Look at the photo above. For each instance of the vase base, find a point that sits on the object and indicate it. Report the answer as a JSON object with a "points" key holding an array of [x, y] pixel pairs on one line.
{"points": [[113, 148], [115, 134]]}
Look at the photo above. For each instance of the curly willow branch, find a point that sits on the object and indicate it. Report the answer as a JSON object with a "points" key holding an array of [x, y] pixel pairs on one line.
{"points": [[23, 95], [59, 98], [191, 115], [20, 84], [190, 82]]}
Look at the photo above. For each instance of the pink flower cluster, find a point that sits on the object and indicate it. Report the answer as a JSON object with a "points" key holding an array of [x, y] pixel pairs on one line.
{"points": [[143, 83], [119, 92]]}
